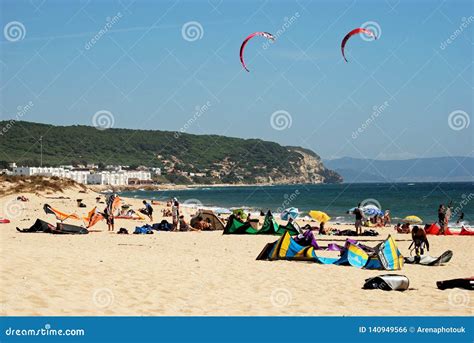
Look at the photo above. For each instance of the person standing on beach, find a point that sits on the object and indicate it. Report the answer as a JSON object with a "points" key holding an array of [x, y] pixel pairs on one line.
{"points": [[387, 221], [461, 218], [441, 218], [175, 214], [447, 215], [359, 215], [148, 210], [109, 219]]}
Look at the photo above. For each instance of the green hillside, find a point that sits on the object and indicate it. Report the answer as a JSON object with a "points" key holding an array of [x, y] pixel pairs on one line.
{"points": [[222, 159]]}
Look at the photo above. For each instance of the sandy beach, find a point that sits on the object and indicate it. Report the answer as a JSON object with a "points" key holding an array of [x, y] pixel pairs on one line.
{"points": [[199, 273]]}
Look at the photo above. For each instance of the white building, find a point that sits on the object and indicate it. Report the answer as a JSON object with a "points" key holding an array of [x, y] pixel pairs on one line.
{"points": [[119, 178], [114, 178], [108, 178], [139, 174], [79, 176]]}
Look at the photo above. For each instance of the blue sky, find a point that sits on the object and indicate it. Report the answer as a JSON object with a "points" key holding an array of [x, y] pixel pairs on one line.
{"points": [[148, 76]]}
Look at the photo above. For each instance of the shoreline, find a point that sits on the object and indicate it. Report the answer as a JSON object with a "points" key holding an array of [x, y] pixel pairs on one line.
{"points": [[180, 187], [196, 198], [160, 187]]}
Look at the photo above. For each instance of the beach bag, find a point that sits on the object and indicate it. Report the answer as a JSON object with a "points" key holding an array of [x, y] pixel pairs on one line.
{"points": [[122, 231], [143, 230], [387, 282], [163, 226]]}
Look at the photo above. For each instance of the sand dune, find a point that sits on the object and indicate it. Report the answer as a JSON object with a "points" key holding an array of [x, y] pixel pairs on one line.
{"points": [[199, 273]]}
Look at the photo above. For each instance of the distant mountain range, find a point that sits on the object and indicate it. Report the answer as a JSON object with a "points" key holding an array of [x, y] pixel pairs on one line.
{"points": [[437, 169]]}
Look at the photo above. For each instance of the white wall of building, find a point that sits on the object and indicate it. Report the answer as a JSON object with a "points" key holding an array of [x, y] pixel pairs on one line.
{"points": [[119, 178], [77, 175]]}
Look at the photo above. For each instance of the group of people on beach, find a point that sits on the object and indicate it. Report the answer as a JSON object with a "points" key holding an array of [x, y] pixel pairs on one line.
{"points": [[178, 222], [444, 215], [374, 221], [110, 218]]}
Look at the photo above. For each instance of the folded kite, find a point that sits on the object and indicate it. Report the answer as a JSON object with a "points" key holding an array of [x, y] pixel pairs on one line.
{"points": [[428, 260], [61, 216], [467, 283]]}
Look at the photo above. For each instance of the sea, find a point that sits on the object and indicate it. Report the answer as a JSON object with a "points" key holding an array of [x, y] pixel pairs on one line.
{"points": [[402, 199]]}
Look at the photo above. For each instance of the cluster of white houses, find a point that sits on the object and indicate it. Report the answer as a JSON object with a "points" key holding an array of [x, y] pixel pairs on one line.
{"points": [[86, 176]]}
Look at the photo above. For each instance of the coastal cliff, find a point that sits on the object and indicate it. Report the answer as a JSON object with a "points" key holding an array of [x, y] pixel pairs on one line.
{"points": [[182, 158]]}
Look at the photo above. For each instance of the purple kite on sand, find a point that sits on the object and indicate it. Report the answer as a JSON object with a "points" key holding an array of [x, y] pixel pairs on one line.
{"points": [[307, 239]]}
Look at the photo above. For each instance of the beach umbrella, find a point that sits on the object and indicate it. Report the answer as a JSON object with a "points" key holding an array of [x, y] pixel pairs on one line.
{"points": [[372, 211], [369, 211], [320, 216], [412, 220], [291, 212]]}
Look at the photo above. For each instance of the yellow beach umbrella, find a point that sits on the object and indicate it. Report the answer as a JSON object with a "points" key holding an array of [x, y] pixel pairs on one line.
{"points": [[412, 220], [320, 216]]}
